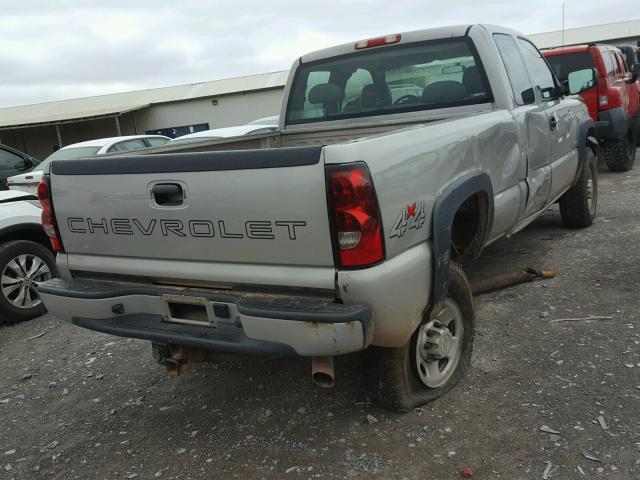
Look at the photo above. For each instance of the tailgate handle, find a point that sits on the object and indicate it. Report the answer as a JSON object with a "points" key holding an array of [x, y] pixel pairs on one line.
{"points": [[167, 194]]}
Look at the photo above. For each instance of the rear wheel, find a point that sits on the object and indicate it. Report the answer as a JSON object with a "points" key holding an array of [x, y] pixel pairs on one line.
{"points": [[435, 358], [620, 155], [23, 264], [578, 205]]}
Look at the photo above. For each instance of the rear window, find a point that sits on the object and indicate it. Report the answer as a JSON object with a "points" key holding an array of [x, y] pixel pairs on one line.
{"points": [[563, 65], [389, 80], [68, 154], [156, 141]]}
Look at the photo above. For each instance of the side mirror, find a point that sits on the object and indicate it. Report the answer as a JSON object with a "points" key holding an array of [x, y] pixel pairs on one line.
{"points": [[581, 80]]}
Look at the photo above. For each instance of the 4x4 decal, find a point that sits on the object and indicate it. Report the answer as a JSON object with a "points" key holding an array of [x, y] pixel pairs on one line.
{"points": [[411, 216]]}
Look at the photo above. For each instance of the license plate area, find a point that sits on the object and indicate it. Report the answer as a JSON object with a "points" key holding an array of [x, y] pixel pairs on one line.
{"points": [[189, 310]]}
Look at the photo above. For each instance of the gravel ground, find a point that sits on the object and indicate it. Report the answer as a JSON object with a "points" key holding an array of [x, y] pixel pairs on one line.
{"points": [[81, 405]]}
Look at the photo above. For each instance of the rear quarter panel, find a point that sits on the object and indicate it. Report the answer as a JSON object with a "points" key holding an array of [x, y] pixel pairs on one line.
{"points": [[417, 164]]}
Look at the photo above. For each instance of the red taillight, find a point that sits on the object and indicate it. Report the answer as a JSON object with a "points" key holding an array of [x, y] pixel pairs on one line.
{"points": [[355, 216], [377, 42], [48, 218]]}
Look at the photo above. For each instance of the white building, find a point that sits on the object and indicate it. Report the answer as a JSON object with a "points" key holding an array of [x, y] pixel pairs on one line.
{"points": [[619, 33], [181, 109]]}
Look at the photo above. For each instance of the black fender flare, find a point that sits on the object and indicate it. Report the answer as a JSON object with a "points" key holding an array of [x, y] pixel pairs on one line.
{"points": [[585, 141], [444, 210]]}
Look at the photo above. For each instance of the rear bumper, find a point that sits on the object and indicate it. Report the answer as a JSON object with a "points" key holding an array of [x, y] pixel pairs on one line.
{"points": [[225, 322]]}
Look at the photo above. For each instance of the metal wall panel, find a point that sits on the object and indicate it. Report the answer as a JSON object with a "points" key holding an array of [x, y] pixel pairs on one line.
{"points": [[230, 110]]}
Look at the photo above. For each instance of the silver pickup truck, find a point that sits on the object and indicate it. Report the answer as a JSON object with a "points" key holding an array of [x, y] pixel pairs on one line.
{"points": [[396, 158]]}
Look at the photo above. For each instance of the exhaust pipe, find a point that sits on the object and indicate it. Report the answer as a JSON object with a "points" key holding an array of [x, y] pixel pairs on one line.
{"points": [[322, 371]]}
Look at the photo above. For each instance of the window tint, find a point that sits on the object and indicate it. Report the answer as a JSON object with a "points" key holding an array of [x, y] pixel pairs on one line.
{"points": [[9, 160], [127, 145], [157, 142], [563, 65], [608, 62], [389, 80], [540, 71], [516, 69]]}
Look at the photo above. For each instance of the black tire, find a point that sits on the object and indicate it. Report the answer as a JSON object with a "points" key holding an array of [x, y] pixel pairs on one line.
{"points": [[9, 313], [620, 154], [579, 204], [393, 372]]}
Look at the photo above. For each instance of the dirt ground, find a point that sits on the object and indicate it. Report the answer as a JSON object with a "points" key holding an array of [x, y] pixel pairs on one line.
{"points": [[81, 405]]}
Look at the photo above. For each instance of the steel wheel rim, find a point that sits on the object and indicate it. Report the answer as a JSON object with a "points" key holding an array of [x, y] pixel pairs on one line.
{"points": [[439, 346], [19, 278]]}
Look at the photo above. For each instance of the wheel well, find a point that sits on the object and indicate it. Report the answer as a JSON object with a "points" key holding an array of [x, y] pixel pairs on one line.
{"points": [[469, 228], [33, 233]]}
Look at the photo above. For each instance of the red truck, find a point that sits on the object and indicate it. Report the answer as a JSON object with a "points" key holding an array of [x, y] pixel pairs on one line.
{"points": [[612, 100]]}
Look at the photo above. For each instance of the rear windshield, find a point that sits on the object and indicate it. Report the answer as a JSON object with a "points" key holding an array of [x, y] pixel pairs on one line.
{"points": [[563, 65], [67, 154], [389, 80]]}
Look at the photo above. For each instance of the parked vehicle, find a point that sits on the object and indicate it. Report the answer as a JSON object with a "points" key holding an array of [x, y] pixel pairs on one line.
{"points": [[612, 100], [269, 121], [345, 232], [26, 257], [226, 132], [13, 162], [28, 181]]}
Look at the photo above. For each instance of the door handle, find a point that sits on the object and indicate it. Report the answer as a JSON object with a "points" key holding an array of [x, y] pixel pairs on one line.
{"points": [[167, 194], [553, 123]]}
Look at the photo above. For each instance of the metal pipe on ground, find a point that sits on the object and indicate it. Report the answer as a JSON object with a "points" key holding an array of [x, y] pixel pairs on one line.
{"points": [[505, 280], [322, 371]]}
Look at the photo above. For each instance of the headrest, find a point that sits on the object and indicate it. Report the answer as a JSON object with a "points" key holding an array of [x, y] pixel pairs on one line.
{"points": [[444, 91], [326, 93], [375, 96]]}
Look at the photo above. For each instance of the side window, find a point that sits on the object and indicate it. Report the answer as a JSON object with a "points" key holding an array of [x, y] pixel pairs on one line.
{"points": [[622, 68], [608, 62], [9, 160], [540, 71], [127, 145], [516, 69]]}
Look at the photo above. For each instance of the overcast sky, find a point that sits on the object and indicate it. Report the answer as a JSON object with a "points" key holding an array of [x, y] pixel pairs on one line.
{"points": [[76, 48]]}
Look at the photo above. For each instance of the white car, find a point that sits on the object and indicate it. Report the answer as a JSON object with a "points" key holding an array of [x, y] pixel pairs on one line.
{"points": [[26, 257], [227, 132], [272, 120], [28, 182]]}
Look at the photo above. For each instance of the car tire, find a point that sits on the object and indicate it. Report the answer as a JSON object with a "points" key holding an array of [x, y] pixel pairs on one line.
{"points": [[403, 378], [579, 204], [620, 154], [22, 264]]}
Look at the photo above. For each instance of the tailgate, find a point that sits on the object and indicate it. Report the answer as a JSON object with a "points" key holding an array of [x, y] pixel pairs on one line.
{"points": [[258, 207]]}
